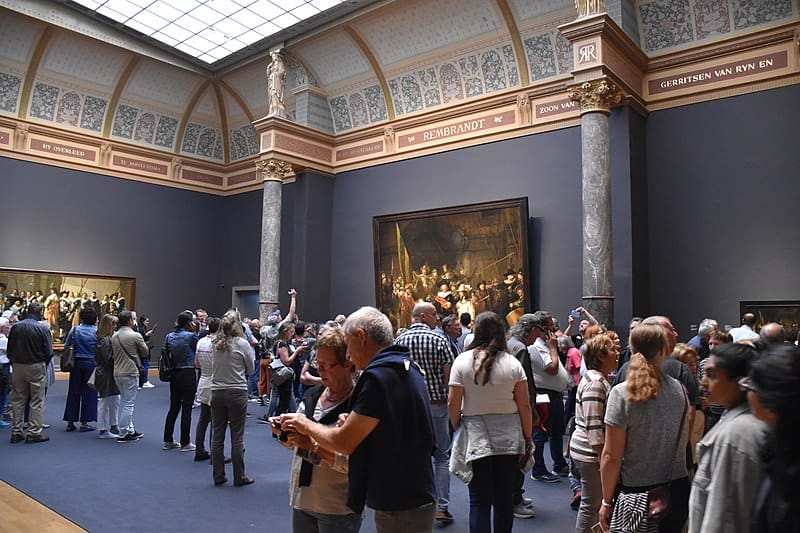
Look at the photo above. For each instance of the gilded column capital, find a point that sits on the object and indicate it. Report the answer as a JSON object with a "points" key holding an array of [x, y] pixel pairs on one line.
{"points": [[596, 96], [274, 169]]}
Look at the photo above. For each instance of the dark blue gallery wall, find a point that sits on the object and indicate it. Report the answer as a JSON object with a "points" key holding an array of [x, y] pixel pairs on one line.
{"points": [[75, 221], [545, 168], [723, 205]]}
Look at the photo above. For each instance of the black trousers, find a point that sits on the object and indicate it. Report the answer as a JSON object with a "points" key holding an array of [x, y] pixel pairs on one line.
{"points": [[181, 396]]}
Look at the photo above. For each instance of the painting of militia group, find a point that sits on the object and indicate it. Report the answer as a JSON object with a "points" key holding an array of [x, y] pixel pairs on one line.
{"points": [[63, 295], [465, 259]]}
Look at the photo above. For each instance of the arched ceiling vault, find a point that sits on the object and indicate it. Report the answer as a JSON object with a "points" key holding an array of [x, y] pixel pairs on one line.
{"points": [[388, 60]]}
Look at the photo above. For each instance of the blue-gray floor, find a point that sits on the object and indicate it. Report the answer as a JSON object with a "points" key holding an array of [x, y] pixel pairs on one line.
{"points": [[104, 486]]}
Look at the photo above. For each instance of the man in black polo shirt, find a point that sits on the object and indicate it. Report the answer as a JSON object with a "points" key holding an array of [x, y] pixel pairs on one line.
{"points": [[30, 348], [389, 433]]}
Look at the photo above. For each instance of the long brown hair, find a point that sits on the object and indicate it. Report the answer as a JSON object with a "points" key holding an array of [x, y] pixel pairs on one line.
{"points": [[648, 343], [490, 336], [108, 323]]}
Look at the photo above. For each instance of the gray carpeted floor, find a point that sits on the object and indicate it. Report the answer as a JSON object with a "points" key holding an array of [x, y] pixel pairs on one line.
{"points": [[104, 486]]}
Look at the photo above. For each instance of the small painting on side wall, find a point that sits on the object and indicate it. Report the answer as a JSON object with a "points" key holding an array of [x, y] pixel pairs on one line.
{"points": [[63, 294], [465, 259]]}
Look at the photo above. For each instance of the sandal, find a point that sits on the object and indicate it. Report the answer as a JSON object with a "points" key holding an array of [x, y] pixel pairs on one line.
{"points": [[84, 429]]}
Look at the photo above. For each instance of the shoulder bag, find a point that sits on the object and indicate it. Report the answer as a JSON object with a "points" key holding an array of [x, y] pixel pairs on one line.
{"points": [[134, 359], [637, 512], [280, 372], [67, 362], [658, 498], [166, 365]]}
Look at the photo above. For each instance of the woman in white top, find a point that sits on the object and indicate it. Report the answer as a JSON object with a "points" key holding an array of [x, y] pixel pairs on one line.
{"points": [[490, 408]]}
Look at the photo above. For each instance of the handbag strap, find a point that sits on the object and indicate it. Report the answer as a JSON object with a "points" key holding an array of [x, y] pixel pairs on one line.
{"points": [[123, 349], [680, 433]]}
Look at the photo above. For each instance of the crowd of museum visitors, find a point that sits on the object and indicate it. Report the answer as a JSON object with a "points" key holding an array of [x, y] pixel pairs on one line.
{"points": [[655, 436]]}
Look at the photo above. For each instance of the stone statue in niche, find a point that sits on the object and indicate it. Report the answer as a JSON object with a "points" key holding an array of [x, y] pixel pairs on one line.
{"points": [[20, 137], [276, 81], [589, 7], [177, 164]]}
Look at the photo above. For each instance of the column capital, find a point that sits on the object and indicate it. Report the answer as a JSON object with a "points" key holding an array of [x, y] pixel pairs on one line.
{"points": [[274, 169], [597, 96]]}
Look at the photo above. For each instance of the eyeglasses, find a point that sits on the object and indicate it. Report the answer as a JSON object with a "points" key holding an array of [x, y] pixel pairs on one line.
{"points": [[746, 384]]}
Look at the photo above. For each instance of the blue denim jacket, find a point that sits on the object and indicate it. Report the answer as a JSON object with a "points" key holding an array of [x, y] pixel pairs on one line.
{"points": [[182, 344], [83, 338]]}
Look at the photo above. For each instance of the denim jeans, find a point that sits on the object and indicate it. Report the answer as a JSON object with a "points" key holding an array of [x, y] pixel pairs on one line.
{"points": [[5, 386], [308, 522], [252, 382], [416, 520], [145, 369], [492, 487], [127, 386], [441, 454], [81, 398], [181, 396], [107, 410]]}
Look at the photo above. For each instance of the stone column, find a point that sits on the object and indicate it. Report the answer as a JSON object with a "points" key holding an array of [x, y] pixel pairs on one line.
{"points": [[596, 99], [273, 171]]}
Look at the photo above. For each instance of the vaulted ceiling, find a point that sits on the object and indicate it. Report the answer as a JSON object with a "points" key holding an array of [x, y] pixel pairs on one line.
{"points": [[385, 60]]}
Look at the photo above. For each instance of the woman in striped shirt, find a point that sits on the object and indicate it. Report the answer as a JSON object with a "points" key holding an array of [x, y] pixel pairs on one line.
{"points": [[600, 356]]}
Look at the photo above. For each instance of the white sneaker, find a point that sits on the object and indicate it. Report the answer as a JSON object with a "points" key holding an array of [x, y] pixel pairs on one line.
{"points": [[188, 448], [148, 385]]}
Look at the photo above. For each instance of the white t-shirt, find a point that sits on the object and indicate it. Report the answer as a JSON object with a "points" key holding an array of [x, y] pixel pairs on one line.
{"points": [[497, 396]]}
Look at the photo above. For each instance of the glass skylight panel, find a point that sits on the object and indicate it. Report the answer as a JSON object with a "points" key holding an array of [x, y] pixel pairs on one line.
{"points": [[209, 30], [190, 23], [266, 9], [175, 32], [285, 20], [207, 15], [164, 10]]}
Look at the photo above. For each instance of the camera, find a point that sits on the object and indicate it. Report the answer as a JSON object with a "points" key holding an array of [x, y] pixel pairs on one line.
{"points": [[284, 435]]}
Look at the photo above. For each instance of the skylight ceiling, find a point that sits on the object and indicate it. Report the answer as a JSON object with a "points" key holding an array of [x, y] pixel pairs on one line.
{"points": [[209, 30]]}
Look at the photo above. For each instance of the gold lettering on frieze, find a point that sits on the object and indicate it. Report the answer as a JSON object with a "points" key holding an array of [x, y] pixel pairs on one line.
{"points": [[66, 150], [596, 96], [717, 73], [5, 138]]}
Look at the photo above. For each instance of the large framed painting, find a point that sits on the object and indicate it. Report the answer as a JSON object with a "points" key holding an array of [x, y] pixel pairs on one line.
{"points": [[63, 294], [465, 259], [786, 312]]}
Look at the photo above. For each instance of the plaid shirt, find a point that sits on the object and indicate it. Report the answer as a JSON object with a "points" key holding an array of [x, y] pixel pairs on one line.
{"points": [[431, 352]]}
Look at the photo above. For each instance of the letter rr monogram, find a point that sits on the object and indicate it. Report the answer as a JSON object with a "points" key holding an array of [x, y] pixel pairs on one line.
{"points": [[587, 53]]}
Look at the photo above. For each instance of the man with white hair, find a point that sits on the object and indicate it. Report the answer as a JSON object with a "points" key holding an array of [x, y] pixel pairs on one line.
{"points": [[700, 341], [389, 442]]}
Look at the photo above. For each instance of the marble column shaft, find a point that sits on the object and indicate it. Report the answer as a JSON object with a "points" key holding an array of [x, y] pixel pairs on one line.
{"points": [[598, 265], [596, 99], [273, 172]]}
